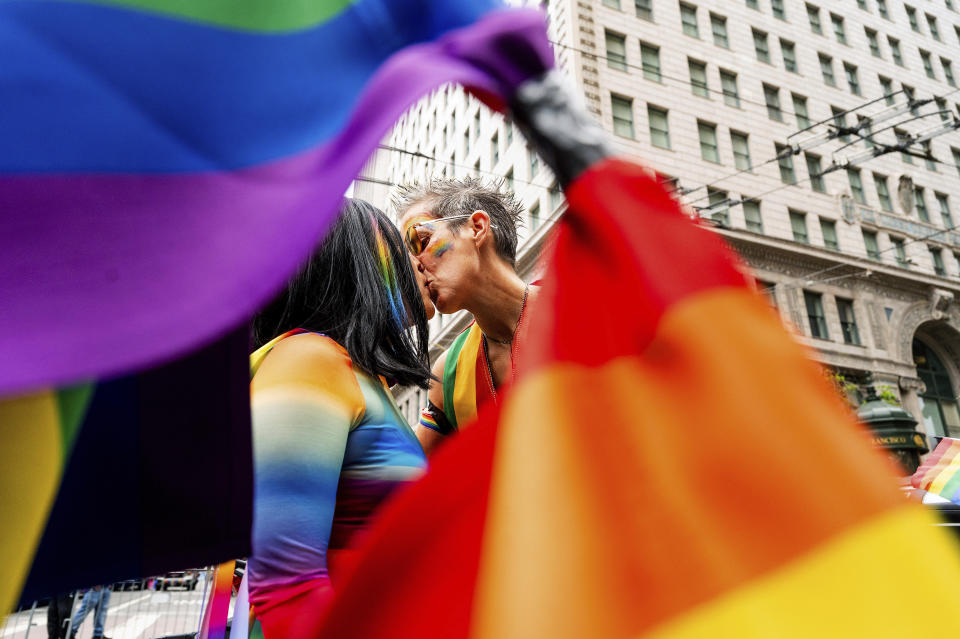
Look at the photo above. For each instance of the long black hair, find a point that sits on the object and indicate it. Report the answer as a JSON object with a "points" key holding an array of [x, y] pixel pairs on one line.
{"points": [[359, 289]]}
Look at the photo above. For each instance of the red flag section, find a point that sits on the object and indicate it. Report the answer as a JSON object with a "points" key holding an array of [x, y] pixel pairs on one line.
{"points": [[669, 464]]}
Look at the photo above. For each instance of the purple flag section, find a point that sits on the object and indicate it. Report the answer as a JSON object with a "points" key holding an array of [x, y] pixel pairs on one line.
{"points": [[102, 274]]}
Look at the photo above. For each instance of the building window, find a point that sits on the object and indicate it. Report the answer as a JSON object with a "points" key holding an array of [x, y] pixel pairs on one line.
{"points": [[785, 161], [870, 243], [616, 51], [688, 18], [900, 248], [476, 125], [943, 109], [813, 15], [956, 157], [769, 290], [650, 60], [751, 215], [921, 204], [826, 68], [934, 29], [838, 29], [903, 138], [789, 51], [535, 216], [753, 4], [719, 208], [659, 129], [927, 63], [848, 322], [644, 9], [476, 168], [886, 85], [840, 122], [771, 96], [622, 115], [718, 24], [800, 110], [856, 186], [865, 126], [761, 45], [853, 80], [494, 149], [698, 78], [829, 230], [509, 178], [928, 159], [939, 400], [778, 11], [466, 143], [534, 161], [944, 204], [882, 9], [613, 4], [895, 51], [508, 127], [948, 70], [912, 17], [818, 321], [728, 83], [798, 224], [709, 150], [873, 42], [883, 193], [556, 197], [936, 255], [741, 150], [815, 171]]}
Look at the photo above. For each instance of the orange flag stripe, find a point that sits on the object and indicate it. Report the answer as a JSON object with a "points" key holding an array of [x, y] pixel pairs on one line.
{"points": [[723, 472]]}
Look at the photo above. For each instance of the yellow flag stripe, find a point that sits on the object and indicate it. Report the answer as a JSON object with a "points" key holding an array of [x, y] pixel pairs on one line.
{"points": [[465, 387], [894, 576], [30, 463]]}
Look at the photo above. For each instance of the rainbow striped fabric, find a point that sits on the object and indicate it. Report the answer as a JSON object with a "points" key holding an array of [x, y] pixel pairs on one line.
{"points": [[683, 472], [167, 164], [165, 167], [217, 606], [940, 472]]}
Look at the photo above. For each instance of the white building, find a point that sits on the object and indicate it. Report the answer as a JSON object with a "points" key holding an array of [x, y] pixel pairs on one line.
{"points": [[709, 94]]}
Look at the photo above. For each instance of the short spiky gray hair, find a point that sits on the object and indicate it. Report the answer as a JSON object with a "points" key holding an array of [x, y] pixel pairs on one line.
{"points": [[464, 196]]}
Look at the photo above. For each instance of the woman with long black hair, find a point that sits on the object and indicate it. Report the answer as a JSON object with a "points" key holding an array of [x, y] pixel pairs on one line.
{"points": [[330, 444]]}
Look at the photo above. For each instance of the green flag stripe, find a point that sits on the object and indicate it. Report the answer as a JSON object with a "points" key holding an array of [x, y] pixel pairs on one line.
{"points": [[72, 403], [261, 16], [450, 376]]}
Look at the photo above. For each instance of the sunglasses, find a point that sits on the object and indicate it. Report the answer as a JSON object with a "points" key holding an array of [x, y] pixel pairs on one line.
{"points": [[412, 237]]}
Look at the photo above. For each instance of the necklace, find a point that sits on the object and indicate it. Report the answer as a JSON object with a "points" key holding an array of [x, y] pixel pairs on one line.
{"points": [[523, 305], [513, 348]]}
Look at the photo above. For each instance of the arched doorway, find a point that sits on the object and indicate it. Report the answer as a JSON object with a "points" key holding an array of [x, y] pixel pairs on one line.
{"points": [[939, 401]]}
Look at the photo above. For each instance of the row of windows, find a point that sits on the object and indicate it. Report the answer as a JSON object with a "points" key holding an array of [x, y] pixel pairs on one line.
{"points": [[817, 319]]}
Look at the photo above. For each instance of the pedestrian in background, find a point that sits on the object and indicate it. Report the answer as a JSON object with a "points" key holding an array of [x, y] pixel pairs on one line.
{"points": [[58, 616], [97, 598]]}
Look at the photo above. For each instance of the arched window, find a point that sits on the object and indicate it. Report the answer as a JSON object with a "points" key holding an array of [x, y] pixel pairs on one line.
{"points": [[939, 402]]}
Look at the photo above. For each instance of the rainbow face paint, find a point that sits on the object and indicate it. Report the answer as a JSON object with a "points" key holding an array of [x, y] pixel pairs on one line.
{"points": [[439, 248]]}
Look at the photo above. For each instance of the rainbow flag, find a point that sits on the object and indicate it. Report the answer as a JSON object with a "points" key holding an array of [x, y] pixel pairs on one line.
{"points": [[217, 606], [165, 166], [940, 472], [669, 464]]}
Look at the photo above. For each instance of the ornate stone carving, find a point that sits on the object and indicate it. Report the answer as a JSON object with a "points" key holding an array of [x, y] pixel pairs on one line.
{"points": [[876, 326], [913, 317], [940, 301], [914, 384]]}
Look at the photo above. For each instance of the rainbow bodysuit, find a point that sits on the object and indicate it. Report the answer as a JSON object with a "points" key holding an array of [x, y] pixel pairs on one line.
{"points": [[330, 445]]}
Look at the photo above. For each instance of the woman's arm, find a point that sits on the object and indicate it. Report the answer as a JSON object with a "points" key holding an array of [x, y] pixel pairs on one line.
{"points": [[305, 398], [431, 431]]}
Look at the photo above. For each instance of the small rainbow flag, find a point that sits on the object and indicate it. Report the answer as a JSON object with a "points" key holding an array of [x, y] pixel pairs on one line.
{"points": [[670, 464], [940, 472]]}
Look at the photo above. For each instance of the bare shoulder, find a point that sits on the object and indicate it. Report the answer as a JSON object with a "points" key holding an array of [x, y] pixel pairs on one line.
{"points": [[307, 358]]}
